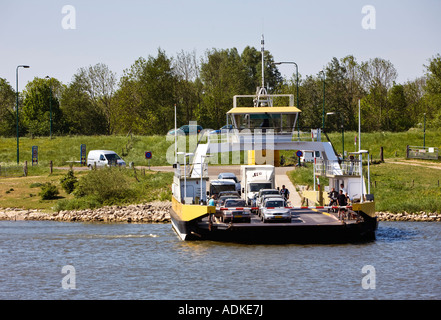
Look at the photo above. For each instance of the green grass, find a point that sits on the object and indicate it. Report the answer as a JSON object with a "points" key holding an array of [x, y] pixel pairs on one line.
{"points": [[400, 187], [394, 143], [61, 150]]}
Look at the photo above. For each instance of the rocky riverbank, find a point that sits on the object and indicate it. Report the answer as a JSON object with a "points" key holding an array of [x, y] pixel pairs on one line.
{"points": [[153, 212], [405, 216]]}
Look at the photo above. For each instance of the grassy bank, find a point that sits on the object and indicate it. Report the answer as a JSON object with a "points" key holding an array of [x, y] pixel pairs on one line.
{"points": [[61, 150], [396, 187], [65, 150], [109, 186]]}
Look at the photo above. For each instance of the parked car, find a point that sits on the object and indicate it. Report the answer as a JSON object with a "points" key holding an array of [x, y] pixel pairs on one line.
{"points": [[265, 193], [186, 130], [230, 176], [224, 129], [273, 210], [102, 158], [235, 210], [221, 198]]}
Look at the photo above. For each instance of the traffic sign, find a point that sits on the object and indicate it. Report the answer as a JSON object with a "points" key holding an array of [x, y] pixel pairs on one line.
{"points": [[299, 153], [148, 154]]}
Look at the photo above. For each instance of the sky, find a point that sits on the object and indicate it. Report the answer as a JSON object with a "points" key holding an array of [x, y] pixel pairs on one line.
{"points": [[57, 42]]}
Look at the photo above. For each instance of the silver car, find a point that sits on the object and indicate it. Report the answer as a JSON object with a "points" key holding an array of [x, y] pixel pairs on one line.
{"points": [[266, 193], [273, 210]]}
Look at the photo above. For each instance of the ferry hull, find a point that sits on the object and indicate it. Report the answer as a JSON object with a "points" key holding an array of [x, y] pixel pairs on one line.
{"points": [[257, 232]]}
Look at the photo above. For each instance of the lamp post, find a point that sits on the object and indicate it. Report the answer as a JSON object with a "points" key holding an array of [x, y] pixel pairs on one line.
{"points": [[16, 79], [203, 157], [424, 138], [50, 106], [297, 94], [323, 117], [342, 132], [297, 77]]}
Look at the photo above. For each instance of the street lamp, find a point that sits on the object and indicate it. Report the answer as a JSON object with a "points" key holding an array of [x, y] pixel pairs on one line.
{"points": [[203, 157], [424, 139], [50, 106], [360, 153], [297, 76], [342, 132], [297, 90], [185, 171], [323, 117], [16, 79], [297, 94]]}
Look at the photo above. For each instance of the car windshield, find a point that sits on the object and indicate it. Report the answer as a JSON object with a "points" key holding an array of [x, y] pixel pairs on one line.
{"points": [[270, 192], [254, 187], [112, 156], [274, 204], [234, 203], [215, 189], [227, 176]]}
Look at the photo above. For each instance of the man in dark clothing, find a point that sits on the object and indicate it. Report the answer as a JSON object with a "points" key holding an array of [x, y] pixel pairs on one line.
{"points": [[341, 202], [284, 192], [333, 195]]}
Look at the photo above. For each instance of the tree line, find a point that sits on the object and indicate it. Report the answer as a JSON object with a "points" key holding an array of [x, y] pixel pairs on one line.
{"points": [[142, 100]]}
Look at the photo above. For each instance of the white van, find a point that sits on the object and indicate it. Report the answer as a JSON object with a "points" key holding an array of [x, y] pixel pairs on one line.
{"points": [[102, 158]]}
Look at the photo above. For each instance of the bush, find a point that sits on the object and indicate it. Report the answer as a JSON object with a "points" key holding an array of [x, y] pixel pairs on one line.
{"points": [[48, 191], [69, 182], [108, 186], [76, 204]]}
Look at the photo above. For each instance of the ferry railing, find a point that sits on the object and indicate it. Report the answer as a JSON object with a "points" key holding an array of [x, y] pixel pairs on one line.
{"points": [[286, 134], [182, 170], [337, 167]]}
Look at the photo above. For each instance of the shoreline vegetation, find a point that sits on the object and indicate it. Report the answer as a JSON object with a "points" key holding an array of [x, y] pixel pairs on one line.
{"points": [[404, 190]]}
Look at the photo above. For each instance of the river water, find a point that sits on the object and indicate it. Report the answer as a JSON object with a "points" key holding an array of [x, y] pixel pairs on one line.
{"points": [[58, 260]]}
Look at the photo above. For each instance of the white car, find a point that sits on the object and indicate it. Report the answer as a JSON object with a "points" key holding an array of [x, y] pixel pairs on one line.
{"points": [[274, 210]]}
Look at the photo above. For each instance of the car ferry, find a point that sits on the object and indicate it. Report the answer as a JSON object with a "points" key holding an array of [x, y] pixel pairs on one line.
{"points": [[263, 130]]}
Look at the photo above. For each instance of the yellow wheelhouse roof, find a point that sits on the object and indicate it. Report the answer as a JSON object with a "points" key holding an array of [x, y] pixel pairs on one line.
{"points": [[260, 110]]}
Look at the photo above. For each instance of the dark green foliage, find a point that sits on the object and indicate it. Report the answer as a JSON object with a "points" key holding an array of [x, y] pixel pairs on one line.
{"points": [[48, 191], [107, 186], [69, 182]]}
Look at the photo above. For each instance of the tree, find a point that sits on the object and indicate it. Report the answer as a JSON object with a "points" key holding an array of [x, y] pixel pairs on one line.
{"points": [[399, 117], [378, 76], [432, 96], [223, 75], [7, 106], [147, 94], [41, 96], [252, 59], [100, 83], [81, 113]]}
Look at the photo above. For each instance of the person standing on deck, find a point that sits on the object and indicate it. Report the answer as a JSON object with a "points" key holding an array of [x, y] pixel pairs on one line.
{"points": [[284, 192]]}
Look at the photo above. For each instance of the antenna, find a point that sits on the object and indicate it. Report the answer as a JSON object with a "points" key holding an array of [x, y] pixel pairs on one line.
{"points": [[262, 42]]}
